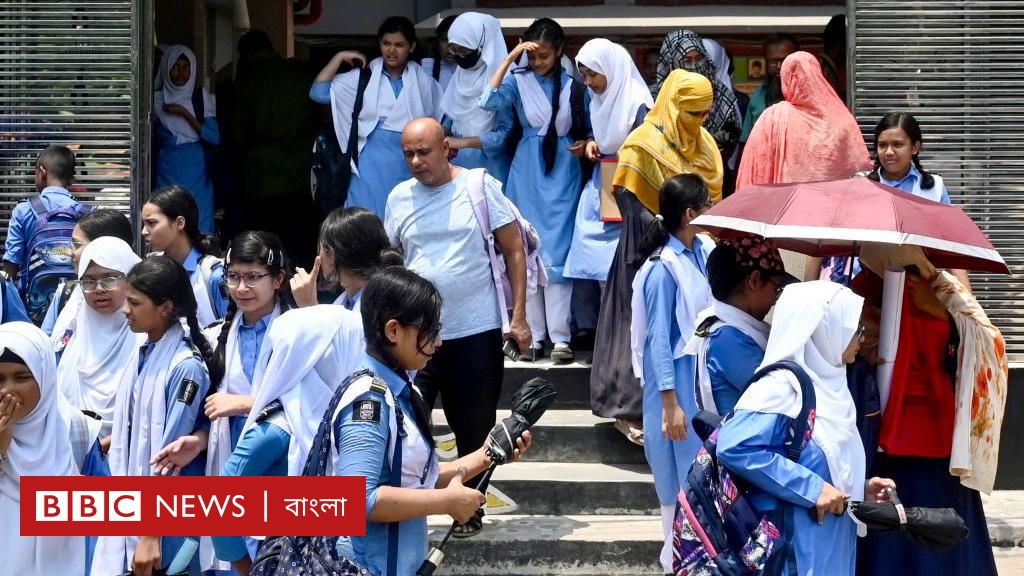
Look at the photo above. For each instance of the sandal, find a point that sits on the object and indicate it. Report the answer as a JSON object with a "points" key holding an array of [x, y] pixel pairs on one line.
{"points": [[471, 528]]}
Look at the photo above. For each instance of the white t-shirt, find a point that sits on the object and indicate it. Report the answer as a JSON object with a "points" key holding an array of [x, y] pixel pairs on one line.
{"points": [[442, 241]]}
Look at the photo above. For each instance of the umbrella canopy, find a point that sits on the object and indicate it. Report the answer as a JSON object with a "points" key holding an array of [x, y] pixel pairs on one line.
{"points": [[835, 218], [936, 528], [528, 404]]}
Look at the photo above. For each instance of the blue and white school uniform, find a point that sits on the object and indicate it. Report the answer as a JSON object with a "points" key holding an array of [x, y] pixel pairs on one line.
{"points": [[211, 297], [727, 357], [446, 71], [243, 352], [814, 323], [180, 158], [668, 292], [156, 404], [349, 303], [463, 117], [912, 183], [388, 105], [373, 435], [613, 114], [547, 199]]}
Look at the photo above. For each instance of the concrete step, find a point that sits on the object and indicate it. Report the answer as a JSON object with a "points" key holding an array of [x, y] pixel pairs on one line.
{"points": [[548, 488], [571, 436], [580, 545], [572, 381], [535, 545]]}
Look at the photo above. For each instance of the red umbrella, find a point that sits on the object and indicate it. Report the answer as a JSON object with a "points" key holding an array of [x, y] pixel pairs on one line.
{"points": [[835, 218]]}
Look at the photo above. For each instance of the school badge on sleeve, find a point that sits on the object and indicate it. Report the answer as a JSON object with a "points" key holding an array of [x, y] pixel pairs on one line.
{"points": [[187, 392], [366, 411]]}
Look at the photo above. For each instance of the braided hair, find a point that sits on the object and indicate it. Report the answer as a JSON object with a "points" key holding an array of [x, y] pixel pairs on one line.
{"points": [[162, 279], [262, 249], [547, 30], [908, 124]]}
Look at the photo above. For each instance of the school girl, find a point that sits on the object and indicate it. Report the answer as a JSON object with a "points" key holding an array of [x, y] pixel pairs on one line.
{"points": [[441, 65], [817, 326], [34, 441], [668, 292], [311, 351], [381, 428], [619, 103], [399, 90], [479, 137], [67, 299], [353, 247], [746, 276], [186, 122], [170, 226], [545, 179], [158, 401]]}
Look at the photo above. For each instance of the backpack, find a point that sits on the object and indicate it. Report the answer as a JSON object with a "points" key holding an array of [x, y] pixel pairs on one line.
{"points": [[535, 274], [717, 531], [332, 168], [318, 555], [49, 255]]}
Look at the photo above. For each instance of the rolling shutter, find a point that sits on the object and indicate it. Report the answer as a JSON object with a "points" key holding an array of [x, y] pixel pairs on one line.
{"points": [[958, 67], [66, 77]]}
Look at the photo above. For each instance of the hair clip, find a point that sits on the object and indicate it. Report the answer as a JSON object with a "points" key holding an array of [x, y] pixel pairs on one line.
{"points": [[659, 217], [270, 259], [227, 257]]}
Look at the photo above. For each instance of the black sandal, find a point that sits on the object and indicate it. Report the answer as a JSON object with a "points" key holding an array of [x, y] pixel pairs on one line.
{"points": [[471, 528]]}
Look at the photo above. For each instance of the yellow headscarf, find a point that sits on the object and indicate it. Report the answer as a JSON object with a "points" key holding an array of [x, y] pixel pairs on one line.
{"points": [[671, 141]]}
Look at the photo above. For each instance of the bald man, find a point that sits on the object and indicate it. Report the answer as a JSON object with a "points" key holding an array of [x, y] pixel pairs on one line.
{"points": [[431, 217]]}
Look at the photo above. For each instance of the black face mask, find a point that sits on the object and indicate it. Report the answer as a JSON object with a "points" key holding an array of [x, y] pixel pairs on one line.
{"points": [[468, 61]]}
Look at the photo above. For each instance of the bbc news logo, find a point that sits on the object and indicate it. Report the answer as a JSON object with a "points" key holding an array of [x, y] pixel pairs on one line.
{"points": [[88, 506], [188, 506]]}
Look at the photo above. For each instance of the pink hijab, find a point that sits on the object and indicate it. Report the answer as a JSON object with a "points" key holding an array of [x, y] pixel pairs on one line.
{"points": [[810, 136]]}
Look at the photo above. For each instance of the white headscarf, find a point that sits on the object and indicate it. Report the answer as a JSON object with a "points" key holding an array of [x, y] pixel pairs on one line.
{"points": [[813, 324], [312, 351], [40, 446], [613, 112], [461, 100], [717, 54], [95, 360], [167, 92], [420, 97]]}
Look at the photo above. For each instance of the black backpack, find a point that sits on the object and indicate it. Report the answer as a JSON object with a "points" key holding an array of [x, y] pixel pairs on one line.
{"points": [[332, 169]]}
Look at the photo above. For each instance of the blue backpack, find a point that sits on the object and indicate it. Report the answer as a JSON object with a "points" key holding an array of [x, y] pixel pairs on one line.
{"points": [[49, 255], [717, 532]]}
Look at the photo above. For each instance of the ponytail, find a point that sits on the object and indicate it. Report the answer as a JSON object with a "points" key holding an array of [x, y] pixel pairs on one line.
{"points": [[677, 195], [359, 242]]}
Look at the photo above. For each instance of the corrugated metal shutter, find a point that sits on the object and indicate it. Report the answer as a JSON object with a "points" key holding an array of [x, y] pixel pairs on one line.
{"points": [[957, 66], [66, 78]]}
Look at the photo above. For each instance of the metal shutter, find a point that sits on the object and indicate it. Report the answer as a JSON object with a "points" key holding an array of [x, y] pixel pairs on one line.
{"points": [[957, 66], [66, 78]]}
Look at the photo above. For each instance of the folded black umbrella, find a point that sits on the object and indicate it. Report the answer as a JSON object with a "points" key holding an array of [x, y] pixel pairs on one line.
{"points": [[528, 404], [936, 528]]}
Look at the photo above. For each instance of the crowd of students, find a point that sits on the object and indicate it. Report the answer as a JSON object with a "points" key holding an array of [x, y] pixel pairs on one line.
{"points": [[478, 197]]}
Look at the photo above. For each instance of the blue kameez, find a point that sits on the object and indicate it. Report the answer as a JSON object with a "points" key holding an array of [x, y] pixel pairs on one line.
{"points": [[381, 162], [732, 359], [750, 445], [549, 200], [493, 154], [185, 165]]}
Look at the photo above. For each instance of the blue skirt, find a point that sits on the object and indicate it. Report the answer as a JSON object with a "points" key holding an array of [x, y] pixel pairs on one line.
{"points": [[593, 242], [381, 168], [927, 482]]}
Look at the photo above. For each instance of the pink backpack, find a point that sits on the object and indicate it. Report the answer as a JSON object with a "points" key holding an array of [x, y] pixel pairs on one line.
{"points": [[535, 274]]}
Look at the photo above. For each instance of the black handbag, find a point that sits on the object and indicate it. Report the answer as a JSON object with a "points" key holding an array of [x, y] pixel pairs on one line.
{"points": [[331, 167]]}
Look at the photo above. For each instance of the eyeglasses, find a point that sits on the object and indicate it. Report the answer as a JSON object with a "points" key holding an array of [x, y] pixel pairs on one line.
{"points": [[107, 283], [251, 279]]}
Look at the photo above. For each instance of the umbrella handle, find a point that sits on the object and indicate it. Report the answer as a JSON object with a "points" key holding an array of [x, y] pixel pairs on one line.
{"points": [[436, 556], [895, 498]]}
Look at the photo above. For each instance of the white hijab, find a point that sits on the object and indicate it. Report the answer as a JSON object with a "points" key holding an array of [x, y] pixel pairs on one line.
{"points": [[167, 92], [813, 324], [461, 99], [95, 360], [312, 351], [40, 446], [139, 416], [420, 97], [613, 112], [717, 54]]}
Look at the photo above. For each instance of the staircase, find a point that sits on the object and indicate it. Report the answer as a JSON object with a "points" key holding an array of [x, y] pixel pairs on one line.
{"points": [[585, 496]]}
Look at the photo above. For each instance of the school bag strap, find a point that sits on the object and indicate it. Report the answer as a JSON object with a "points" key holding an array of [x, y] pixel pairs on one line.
{"points": [[206, 265], [478, 198], [803, 425], [357, 108]]}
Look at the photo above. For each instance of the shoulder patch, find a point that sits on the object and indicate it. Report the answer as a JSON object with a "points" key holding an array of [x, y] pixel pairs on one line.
{"points": [[366, 410], [187, 392], [271, 409]]}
